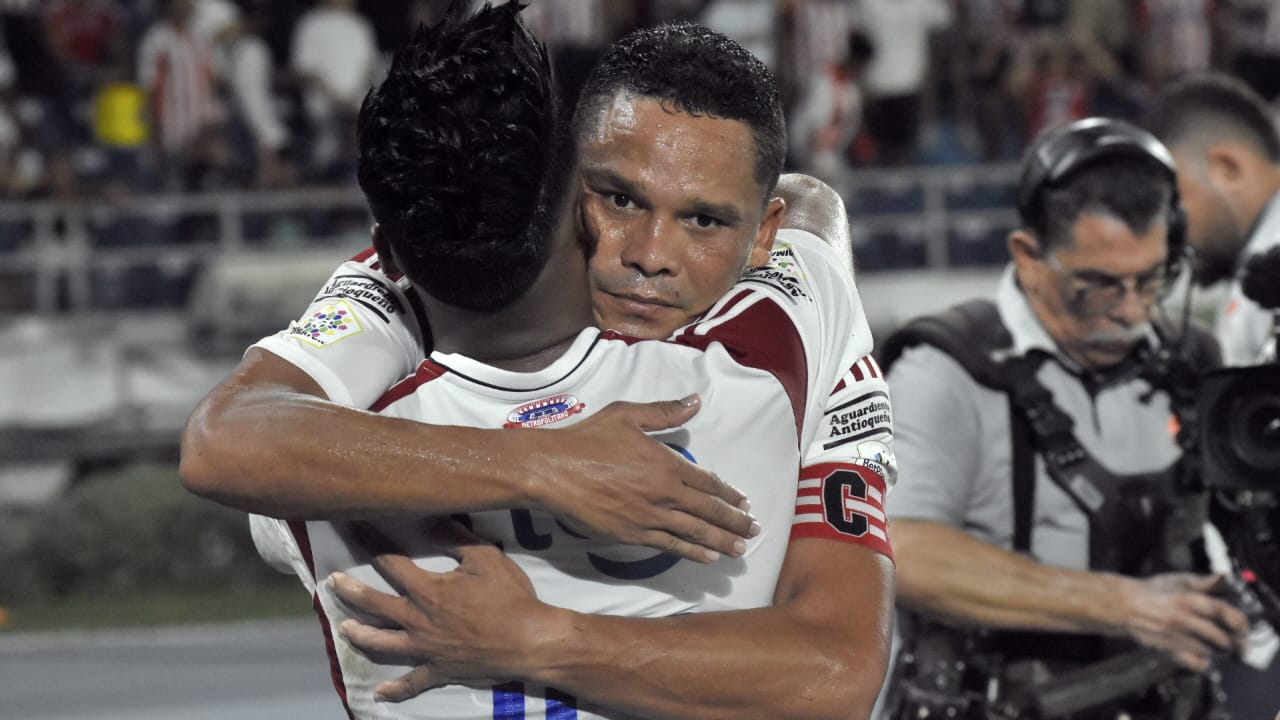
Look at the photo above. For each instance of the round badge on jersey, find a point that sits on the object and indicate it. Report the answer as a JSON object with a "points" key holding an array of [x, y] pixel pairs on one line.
{"points": [[544, 411]]}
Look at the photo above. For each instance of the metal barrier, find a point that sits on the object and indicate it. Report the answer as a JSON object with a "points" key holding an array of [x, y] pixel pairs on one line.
{"points": [[73, 257], [59, 247]]}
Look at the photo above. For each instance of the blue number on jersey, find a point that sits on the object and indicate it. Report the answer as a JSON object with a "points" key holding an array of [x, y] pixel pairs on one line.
{"points": [[509, 702]]}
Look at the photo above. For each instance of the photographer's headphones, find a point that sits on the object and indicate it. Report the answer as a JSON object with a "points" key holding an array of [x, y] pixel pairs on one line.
{"points": [[1061, 152]]}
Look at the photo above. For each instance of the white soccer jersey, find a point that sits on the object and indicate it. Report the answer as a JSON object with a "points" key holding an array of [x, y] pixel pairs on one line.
{"points": [[762, 359]]}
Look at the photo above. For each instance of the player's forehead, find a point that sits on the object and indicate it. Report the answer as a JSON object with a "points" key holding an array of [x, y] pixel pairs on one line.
{"points": [[654, 146]]}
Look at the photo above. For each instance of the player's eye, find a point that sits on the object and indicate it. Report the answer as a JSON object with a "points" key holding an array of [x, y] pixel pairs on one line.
{"points": [[705, 221], [620, 200]]}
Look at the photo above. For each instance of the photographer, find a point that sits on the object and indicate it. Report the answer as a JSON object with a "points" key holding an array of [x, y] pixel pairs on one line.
{"points": [[1227, 150], [1038, 519]]}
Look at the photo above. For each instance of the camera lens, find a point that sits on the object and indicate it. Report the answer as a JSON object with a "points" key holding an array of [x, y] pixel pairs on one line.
{"points": [[1255, 431]]}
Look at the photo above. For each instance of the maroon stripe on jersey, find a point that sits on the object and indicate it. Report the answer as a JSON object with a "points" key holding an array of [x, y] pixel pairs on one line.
{"points": [[843, 501], [872, 367], [727, 307], [298, 528], [427, 372], [840, 386], [615, 335], [762, 337], [364, 255], [857, 373]]}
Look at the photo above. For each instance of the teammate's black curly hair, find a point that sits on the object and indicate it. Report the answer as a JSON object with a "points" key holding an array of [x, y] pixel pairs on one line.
{"points": [[458, 159], [696, 71]]}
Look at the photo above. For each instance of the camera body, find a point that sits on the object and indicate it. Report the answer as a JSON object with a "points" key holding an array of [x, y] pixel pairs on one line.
{"points": [[1238, 438]]}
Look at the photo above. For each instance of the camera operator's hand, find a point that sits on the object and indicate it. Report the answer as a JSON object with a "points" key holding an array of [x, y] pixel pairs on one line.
{"points": [[1177, 613]]}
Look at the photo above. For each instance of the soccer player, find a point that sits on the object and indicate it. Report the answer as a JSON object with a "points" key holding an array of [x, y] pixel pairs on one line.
{"points": [[814, 636]]}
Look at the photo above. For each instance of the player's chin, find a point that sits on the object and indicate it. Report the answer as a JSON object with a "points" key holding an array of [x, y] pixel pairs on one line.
{"points": [[651, 324]]}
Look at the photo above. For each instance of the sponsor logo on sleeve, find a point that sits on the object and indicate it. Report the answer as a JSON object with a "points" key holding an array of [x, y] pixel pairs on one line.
{"points": [[327, 325], [372, 294], [858, 420], [544, 411], [782, 273]]}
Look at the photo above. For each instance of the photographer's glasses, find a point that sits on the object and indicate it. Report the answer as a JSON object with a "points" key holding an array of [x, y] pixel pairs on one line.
{"points": [[1093, 292]]}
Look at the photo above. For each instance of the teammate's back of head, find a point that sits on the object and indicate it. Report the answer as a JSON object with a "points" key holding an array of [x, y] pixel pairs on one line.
{"points": [[1207, 108], [696, 71], [459, 160]]}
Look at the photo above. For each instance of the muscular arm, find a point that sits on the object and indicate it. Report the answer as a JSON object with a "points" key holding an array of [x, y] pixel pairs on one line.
{"points": [[819, 652], [947, 573], [267, 441]]}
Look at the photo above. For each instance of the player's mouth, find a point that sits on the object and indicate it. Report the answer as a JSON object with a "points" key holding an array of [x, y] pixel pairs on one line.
{"points": [[642, 305]]}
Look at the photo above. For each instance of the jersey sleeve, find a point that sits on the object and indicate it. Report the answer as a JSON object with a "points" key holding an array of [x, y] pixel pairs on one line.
{"points": [[361, 334], [277, 546], [800, 318], [850, 466]]}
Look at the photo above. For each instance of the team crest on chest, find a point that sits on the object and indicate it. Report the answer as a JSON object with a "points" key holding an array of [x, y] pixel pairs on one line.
{"points": [[544, 411]]}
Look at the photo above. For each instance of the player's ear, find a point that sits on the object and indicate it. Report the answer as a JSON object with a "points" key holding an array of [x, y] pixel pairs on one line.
{"points": [[763, 243], [383, 248]]}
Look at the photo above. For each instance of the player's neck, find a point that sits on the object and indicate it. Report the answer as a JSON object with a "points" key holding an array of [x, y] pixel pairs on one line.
{"points": [[528, 334]]}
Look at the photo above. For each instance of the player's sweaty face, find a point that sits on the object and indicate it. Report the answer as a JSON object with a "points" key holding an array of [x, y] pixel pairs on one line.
{"points": [[672, 211]]}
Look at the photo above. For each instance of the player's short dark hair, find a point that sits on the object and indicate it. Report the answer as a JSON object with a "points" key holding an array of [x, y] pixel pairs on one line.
{"points": [[697, 71], [1130, 188], [1212, 102], [458, 159]]}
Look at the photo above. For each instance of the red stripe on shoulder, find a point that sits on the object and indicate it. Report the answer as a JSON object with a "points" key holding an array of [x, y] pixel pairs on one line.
{"points": [[426, 372], [764, 337], [364, 255], [872, 367], [615, 335]]}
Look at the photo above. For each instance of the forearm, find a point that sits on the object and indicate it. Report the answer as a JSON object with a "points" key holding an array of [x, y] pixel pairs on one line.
{"points": [[820, 651], [946, 572], [747, 663], [274, 451]]}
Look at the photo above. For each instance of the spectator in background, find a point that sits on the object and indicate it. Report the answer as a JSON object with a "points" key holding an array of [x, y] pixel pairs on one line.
{"points": [[120, 130], [256, 119], [1176, 37], [895, 79], [84, 38], [1101, 34], [1054, 85], [813, 36], [577, 32], [176, 69], [752, 23], [334, 55], [990, 42], [822, 129], [1253, 36]]}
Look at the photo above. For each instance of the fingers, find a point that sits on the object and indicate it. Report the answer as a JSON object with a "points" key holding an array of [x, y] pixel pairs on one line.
{"points": [[711, 484], [410, 685], [376, 640], [359, 596], [654, 416], [708, 532]]}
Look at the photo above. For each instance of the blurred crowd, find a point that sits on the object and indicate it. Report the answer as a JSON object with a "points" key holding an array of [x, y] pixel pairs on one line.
{"points": [[101, 97]]}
